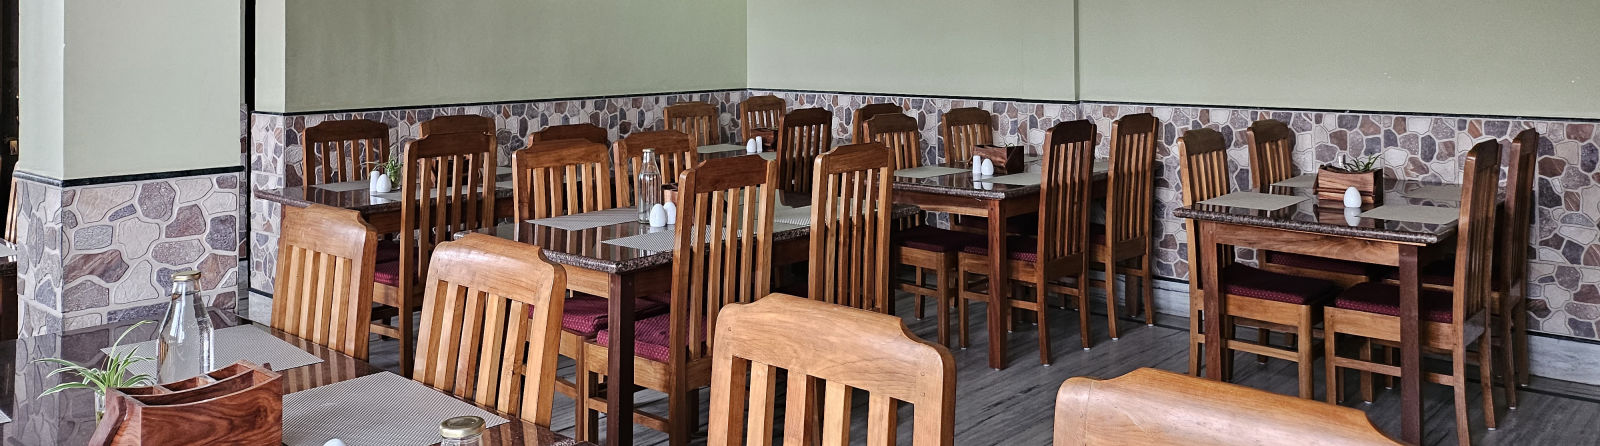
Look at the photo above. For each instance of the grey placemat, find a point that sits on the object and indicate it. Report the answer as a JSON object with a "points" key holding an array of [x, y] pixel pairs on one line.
{"points": [[769, 156], [1255, 200], [244, 342], [7, 250], [507, 184], [4, 419], [1304, 180], [718, 148], [377, 409], [927, 171], [1433, 215], [1100, 166], [1439, 192], [346, 186], [1017, 179], [586, 220], [653, 241], [800, 216]]}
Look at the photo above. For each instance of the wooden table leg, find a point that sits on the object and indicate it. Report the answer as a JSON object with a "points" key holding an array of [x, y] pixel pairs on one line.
{"points": [[1211, 282], [998, 285], [619, 395], [1410, 347]]}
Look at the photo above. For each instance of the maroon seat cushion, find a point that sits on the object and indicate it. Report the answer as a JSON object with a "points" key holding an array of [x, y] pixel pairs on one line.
{"points": [[650, 337], [928, 238], [1017, 247], [585, 315], [1383, 298], [1097, 233], [1243, 280], [1440, 273], [387, 273], [1317, 263], [388, 251], [1026, 224]]}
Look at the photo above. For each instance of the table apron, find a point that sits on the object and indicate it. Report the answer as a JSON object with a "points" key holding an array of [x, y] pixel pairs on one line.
{"points": [[1320, 245]]}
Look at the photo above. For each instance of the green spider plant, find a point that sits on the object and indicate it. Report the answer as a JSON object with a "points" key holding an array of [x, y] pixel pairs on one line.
{"points": [[114, 374], [1360, 164]]}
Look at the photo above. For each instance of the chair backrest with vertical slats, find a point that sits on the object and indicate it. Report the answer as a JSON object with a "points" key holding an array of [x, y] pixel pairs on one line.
{"points": [[675, 151], [760, 112], [561, 177], [850, 216], [1512, 245], [1132, 179], [326, 257], [1203, 163], [859, 134], [585, 132], [448, 187], [444, 125], [813, 343], [805, 133], [723, 251], [1271, 153], [490, 324], [1475, 231], [1064, 191], [338, 151], [696, 119], [900, 133], [963, 129]]}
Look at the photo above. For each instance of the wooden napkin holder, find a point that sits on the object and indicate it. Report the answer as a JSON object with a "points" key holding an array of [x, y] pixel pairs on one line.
{"points": [[1007, 159], [769, 137], [238, 404], [1331, 185]]}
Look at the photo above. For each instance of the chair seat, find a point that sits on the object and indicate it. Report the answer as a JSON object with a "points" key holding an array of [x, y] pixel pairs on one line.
{"points": [[585, 315], [1383, 298], [387, 273], [1243, 280], [388, 251], [650, 337], [928, 238], [1438, 273], [1018, 247], [1317, 263], [1026, 224], [1097, 234]]}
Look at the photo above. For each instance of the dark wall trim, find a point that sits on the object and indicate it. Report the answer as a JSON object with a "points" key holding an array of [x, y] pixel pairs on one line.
{"points": [[475, 104], [907, 95], [77, 182], [1361, 112]]}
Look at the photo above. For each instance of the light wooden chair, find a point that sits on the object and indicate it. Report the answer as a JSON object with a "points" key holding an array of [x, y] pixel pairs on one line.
{"points": [[850, 216], [1264, 299], [899, 133], [1129, 204], [457, 124], [848, 349], [1271, 144], [1149, 406], [723, 256], [489, 324], [1061, 248], [339, 151], [323, 289], [447, 187], [962, 129], [675, 152], [1452, 320], [699, 120], [858, 134], [804, 134], [760, 112], [586, 132]]}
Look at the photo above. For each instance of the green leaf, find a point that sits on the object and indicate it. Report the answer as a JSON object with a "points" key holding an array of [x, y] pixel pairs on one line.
{"points": [[63, 386]]}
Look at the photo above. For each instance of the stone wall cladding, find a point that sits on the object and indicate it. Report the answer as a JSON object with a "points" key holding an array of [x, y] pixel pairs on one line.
{"points": [[39, 265]]}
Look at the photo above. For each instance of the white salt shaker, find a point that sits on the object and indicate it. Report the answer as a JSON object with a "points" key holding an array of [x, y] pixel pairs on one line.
{"points": [[658, 216], [977, 165], [1352, 197], [671, 211], [988, 167], [378, 182]]}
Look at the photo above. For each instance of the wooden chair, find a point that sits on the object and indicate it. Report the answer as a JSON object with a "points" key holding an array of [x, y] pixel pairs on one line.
{"points": [[339, 151], [586, 132], [850, 215], [457, 124], [859, 134], [1149, 406], [899, 133], [447, 187], [675, 152], [760, 112], [846, 348], [1511, 293], [963, 129], [1129, 215], [1061, 248], [699, 120], [804, 134], [324, 282], [1271, 144], [1278, 302], [723, 256], [489, 324], [1453, 320]]}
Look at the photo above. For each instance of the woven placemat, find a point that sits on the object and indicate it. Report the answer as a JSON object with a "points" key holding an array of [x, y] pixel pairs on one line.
{"points": [[719, 148], [244, 342], [378, 409], [654, 241], [1304, 180], [769, 156], [1255, 200], [1017, 179], [927, 172], [346, 186], [800, 216], [586, 220], [1433, 215], [1436, 192]]}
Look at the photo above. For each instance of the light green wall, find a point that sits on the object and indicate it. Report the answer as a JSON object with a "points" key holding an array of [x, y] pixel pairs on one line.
{"points": [[1534, 57], [41, 34], [1000, 48], [380, 53]]}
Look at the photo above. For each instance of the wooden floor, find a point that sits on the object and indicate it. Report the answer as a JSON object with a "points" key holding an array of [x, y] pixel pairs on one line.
{"points": [[1013, 406]]}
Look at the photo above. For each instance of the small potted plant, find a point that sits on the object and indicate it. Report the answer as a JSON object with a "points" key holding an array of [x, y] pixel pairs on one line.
{"points": [[385, 175], [114, 373], [1365, 174]]}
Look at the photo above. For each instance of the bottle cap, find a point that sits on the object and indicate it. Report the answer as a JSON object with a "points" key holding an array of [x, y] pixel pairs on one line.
{"points": [[186, 276], [461, 427]]}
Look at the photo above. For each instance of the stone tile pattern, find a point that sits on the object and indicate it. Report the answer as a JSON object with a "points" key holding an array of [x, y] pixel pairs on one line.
{"points": [[39, 267], [277, 156]]}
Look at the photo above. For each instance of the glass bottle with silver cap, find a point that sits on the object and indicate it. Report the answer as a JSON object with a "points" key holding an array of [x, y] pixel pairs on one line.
{"points": [[461, 431], [186, 345]]}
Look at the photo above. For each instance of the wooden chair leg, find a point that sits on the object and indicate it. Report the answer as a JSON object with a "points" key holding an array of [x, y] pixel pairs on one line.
{"points": [[682, 420], [408, 345], [1393, 358], [1329, 353], [1044, 322], [1083, 310], [917, 297], [1458, 370], [1264, 337], [1306, 357], [1366, 377], [1195, 322], [586, 423], [1111, 294], [1505, 329], [1147, 275], [1519, 337], [1486, 375], [946, 292]]}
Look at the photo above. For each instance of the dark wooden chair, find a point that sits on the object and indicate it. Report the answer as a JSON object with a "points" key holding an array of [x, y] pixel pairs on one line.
{"points": [[699, 120], [804, 134], [899, 133], [858, 132], [851, 211], [675, 152], [845, 348], [323, 288], [723, 256], [760, 112], [1129, 204], [1453, 320], [962, 129], [339, 151], [1511, 291], [586, 132], [1061, 248], [458, 124], [1271, 144]]}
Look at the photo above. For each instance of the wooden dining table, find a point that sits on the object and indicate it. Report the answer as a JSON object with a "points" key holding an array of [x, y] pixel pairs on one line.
{"points": [[68, 417], [1327, 229]]}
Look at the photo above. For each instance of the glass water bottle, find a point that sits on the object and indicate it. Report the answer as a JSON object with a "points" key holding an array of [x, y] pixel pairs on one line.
{"points": [[647, 190], [187, 346]]}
